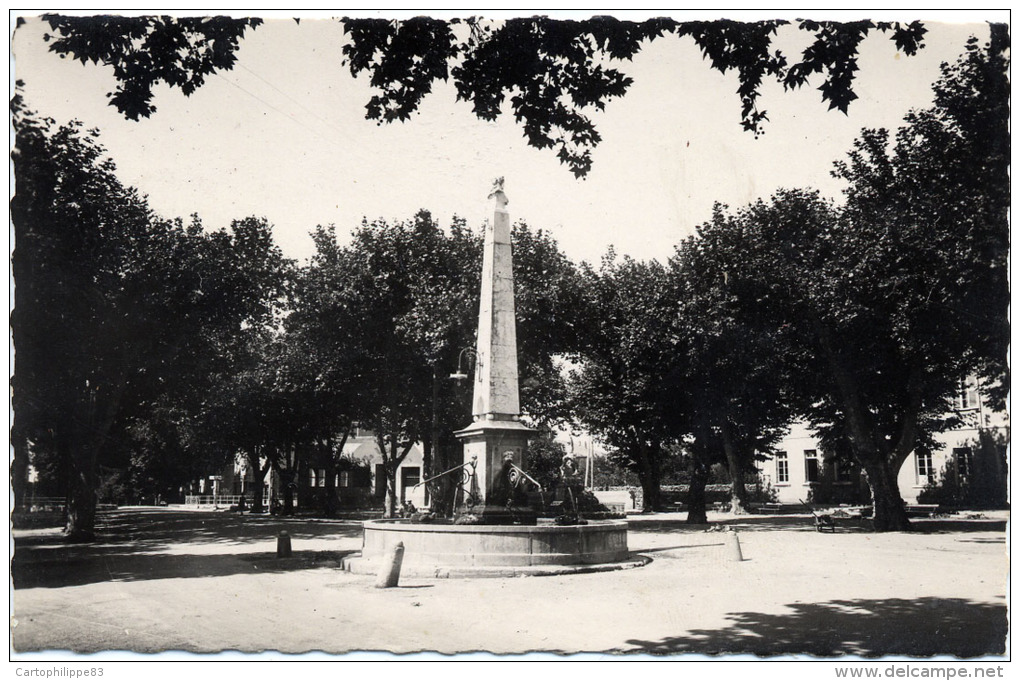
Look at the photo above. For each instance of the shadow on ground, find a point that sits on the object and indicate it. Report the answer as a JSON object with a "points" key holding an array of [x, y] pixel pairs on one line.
{"points": [[54, 574], [869, 628], [132, 545], [156, 529], [805, 523]]}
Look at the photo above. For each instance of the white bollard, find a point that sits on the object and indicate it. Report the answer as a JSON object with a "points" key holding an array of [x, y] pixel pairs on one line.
{"points": [[734, 542], [389, 571]]}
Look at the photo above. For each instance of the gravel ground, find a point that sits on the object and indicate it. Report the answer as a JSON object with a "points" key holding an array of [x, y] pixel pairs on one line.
{"points": [[164, 579]]}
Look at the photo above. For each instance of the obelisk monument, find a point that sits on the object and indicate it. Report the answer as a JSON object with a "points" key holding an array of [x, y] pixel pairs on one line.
{"points": [[496, 435]]}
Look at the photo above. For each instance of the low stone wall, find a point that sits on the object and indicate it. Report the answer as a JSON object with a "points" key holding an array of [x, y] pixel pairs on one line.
{"points": [[622, 499]]}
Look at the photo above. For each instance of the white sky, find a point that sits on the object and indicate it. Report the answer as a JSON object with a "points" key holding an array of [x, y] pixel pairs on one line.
{"points": [[283, 136]]}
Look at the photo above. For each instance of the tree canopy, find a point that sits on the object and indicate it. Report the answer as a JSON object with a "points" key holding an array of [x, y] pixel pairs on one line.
{"points": [[617, 391], [898, 295], [555, 72], [114, 307], [161, 346]]}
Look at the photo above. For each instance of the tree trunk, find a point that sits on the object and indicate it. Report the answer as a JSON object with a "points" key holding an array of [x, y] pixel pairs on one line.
{"points": [[334, 453], [890, 511], [864, 436], [648, 474], [650, 493], [390, 509], [391, 463], [330, 502], [19, 468], [697, 513], [431, 444], [290, 484], [81, 496], [261, 483], [646, 463], [83, 456], [257, 479], [738, 491]]}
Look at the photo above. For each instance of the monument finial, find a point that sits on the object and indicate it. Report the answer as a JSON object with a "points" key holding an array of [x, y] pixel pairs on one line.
{"points": [[498, 193]]}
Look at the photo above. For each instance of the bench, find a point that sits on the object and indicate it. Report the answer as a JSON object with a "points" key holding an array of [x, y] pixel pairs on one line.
{"points": [[922, 510], [770, 508]]}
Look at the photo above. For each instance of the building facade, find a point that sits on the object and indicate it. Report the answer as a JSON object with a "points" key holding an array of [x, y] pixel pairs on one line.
{"points": [[359, 480], [971, 464]]}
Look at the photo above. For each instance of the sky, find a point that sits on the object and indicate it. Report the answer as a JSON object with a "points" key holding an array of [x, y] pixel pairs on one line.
{"points": [[283, 135]]}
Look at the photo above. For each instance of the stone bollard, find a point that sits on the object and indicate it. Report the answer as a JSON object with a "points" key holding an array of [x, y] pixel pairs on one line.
{"points": [[283, 545], [389, 571], [734, 544]]}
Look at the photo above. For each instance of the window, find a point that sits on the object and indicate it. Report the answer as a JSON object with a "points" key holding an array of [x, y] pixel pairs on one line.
{"points": [[345, 479], [924, 467], [964, 462], [842, 470], [967, 394], [311, 477], [322, 477], [782, 468], [811, 469], [409, 477]]}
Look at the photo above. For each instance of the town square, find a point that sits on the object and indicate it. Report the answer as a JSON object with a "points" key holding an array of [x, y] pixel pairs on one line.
{"points": [[567, 337]]}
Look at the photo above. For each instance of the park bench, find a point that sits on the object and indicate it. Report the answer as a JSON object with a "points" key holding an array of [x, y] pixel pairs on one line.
{"points": [[922, 510], [769, 508], [38, 504]]}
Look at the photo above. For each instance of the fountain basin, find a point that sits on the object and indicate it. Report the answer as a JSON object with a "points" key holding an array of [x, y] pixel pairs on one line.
{"points": [[440, 550]]}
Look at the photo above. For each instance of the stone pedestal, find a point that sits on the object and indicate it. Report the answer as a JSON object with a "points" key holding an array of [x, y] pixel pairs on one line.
{"points": [[493, 443]]}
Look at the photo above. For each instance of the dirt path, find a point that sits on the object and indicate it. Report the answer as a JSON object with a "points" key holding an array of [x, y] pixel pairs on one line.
{"points": [[207, 582]]}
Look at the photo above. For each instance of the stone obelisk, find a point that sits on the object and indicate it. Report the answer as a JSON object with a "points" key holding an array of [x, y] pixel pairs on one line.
{"points": [[496, 435]]}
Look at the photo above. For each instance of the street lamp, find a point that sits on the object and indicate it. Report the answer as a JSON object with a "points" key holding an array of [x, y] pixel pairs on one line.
{"points": [[460, 375], [433, 452]]}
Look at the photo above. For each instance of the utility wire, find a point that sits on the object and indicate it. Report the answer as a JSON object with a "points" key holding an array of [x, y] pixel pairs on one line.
{"points": [[289, 98], [278, 110]]}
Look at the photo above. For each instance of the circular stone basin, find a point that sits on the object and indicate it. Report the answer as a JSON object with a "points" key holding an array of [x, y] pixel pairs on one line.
{"points": [[440, 550]]}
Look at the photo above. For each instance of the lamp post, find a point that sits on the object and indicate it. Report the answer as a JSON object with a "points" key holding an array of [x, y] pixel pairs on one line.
{"points": [[461, 375], [432, 455]]}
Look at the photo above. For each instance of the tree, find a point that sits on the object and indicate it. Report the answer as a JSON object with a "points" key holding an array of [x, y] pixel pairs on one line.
{"points": [[554, 71], [902, 293], [320, 361], [182, 409], [545, 456], [728, 380], [617, 392], [389, 307], [798, 262], [943, 192], [147, 51], [110, 301], [935, 208]]}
